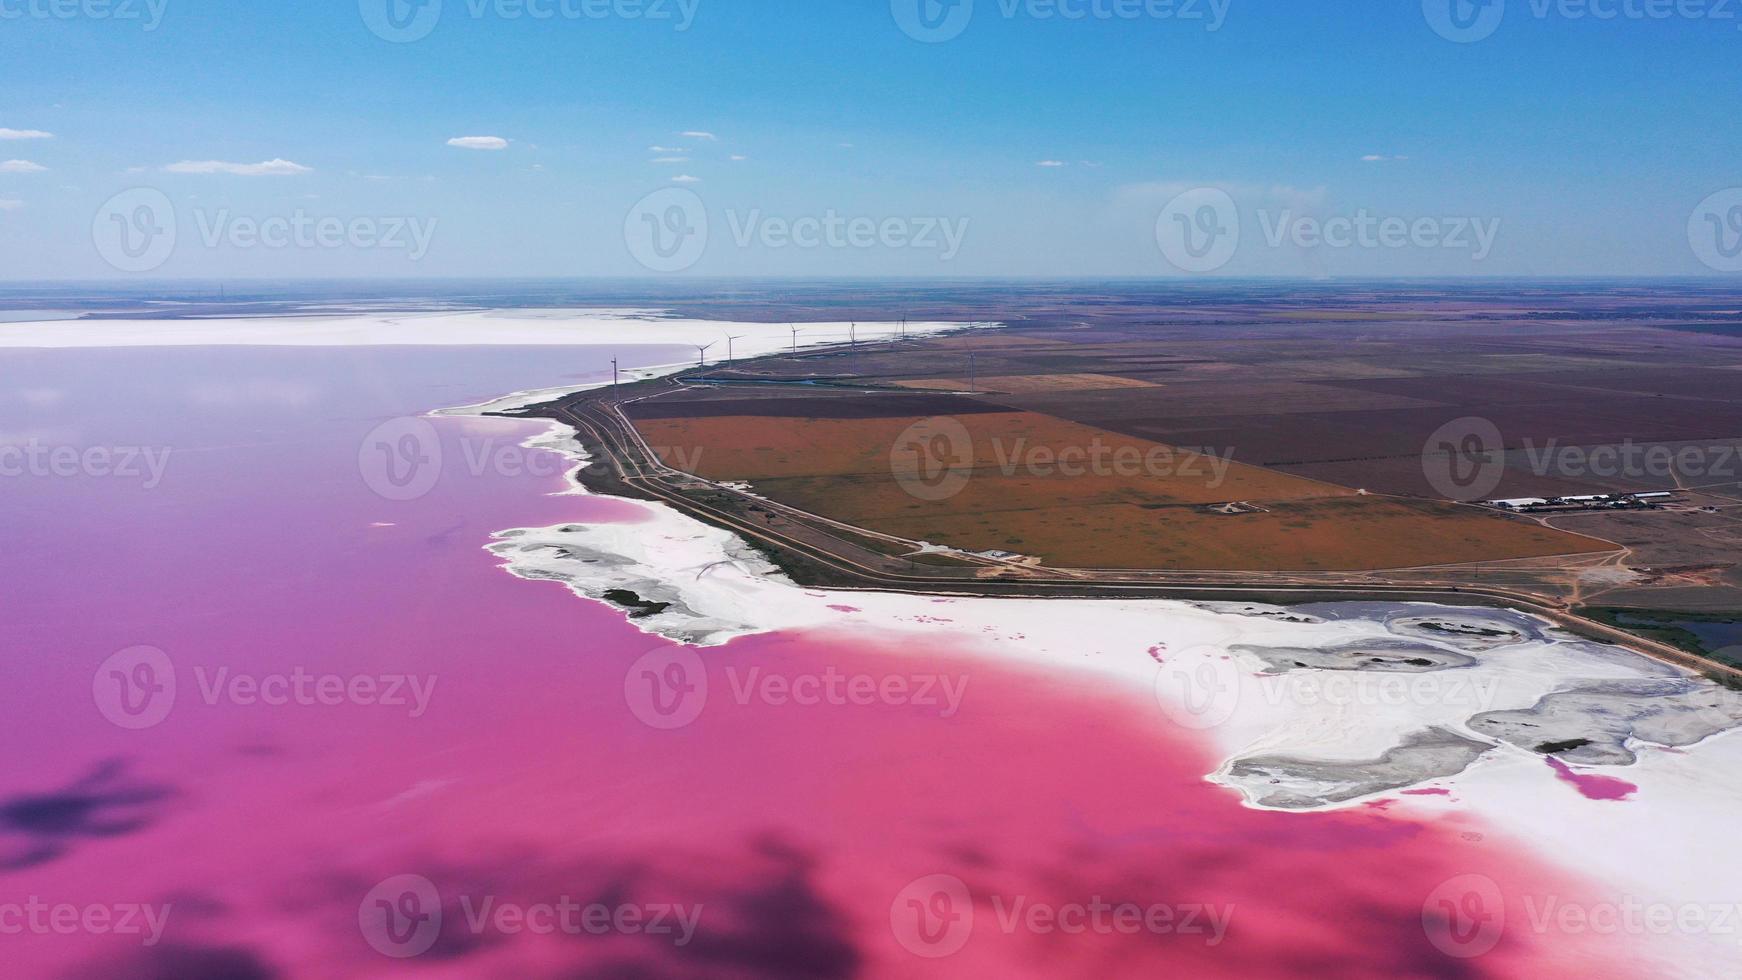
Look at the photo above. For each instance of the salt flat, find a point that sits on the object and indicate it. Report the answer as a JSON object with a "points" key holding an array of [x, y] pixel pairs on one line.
{"points": [[530, 327]]}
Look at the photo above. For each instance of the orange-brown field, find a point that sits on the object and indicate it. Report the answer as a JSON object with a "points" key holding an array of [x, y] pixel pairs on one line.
{"points": [[1023, 384], [1323, 534], [1080, 497]]}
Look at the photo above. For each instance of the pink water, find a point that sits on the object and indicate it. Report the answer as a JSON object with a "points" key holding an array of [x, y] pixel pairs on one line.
{"points": [[798, 830], [1591, 785]]}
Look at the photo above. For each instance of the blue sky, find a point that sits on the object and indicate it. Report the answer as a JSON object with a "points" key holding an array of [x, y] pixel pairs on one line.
{"points": [[1586, 145]]}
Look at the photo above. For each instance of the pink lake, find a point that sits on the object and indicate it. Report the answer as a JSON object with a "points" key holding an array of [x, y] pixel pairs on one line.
{"points": [[821, 841], [1591, 785]]}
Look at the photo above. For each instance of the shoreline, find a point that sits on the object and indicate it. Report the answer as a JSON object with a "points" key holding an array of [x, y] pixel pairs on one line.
{"points": [[1138, 645], [634, 472], [741, 591]]}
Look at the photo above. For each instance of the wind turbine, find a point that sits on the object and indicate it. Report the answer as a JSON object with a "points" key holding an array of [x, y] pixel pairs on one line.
{"points": [[701, 351], [729, 339], [794, 330]]}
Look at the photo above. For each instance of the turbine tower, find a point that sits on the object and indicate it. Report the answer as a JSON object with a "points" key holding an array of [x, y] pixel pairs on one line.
{"points": [[729, 339]]}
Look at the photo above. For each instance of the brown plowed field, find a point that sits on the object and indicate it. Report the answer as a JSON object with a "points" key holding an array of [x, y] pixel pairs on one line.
{"points": [[1324, 534], [1141, 506], [1029, 383], [834, 405]]}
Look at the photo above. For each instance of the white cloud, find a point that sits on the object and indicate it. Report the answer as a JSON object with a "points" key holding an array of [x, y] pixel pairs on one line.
{"points": [[670, 160], [696, 134], [479, 142], [21, 167], [739, 158], [686, 179], [267, 168], [10, 205], [665, 149], [1050, 163], [24, 134], [1380, 158]]}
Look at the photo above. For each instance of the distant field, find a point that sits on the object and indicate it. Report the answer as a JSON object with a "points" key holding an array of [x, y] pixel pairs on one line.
{"points": [[1138, 515], [1337, 385], [1029, 383]]}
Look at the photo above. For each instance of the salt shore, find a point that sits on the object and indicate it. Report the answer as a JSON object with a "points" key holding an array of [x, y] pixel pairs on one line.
{"points": [[1343, 692], [1401, 729], [506, 328]]}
